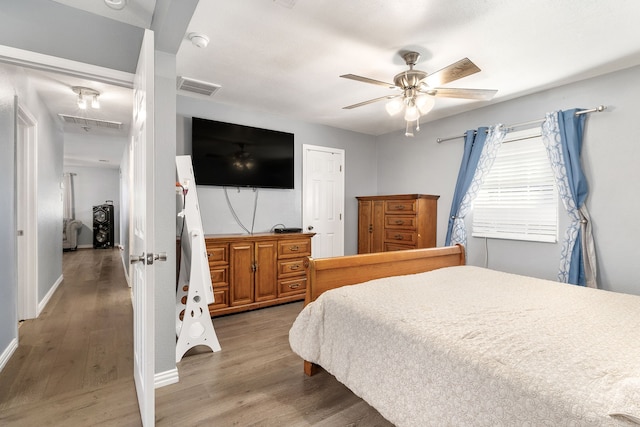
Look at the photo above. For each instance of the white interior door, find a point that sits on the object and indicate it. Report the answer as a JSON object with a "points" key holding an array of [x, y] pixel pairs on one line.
{"points": [[323, 199], [142, 229], [26, 222]]}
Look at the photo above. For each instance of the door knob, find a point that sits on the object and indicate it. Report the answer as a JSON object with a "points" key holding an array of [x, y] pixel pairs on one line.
{"points": [[137, 258]]}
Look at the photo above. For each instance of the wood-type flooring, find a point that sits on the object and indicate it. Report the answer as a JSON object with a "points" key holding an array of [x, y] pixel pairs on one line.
{"points": [[73, 366]]}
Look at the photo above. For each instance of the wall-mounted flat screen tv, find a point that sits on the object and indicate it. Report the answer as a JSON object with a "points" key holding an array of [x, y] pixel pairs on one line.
{"points": [[226, 154]]}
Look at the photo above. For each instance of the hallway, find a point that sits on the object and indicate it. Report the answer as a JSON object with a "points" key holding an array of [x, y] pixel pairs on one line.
{"points": [[74, 364]]}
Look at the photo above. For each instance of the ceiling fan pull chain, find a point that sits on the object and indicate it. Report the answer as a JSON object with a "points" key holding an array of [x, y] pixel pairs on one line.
{"points": [[409, 131]]}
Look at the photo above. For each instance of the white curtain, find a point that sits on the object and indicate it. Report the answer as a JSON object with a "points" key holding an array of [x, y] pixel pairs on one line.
{"points": [[68, 199]]}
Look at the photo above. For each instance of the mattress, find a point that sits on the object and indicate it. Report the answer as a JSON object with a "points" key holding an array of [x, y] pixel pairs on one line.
{"points": [[471, 346]]}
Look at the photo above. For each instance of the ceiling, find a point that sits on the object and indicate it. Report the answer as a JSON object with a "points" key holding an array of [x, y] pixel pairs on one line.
{"points": [[285, 57]]}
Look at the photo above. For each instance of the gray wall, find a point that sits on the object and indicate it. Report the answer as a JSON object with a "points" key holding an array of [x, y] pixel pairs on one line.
{"points": [[611, 156], [50, 153], [49, 209], [8, 282], [279, 206], [93, 186]]}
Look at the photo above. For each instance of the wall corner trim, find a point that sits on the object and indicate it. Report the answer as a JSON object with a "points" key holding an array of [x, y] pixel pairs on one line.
{"points": [[165, 378], [8, 352], [42, 304]]}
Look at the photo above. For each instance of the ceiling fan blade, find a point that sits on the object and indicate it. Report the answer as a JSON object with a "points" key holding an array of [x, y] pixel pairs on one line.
{"points": [[455, 71], [445, 92], [371, 101], [368, 80]]}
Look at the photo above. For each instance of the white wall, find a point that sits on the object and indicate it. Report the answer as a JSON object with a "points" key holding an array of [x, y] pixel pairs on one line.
{"points": [[94, 186], [279, 206], [611, 156]]}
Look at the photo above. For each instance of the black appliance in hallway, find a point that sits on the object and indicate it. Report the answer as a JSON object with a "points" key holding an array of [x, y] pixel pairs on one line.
{"points": [[103, 225]]}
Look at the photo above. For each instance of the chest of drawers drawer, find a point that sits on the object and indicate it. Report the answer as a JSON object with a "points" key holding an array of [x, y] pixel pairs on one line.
{"points": [[400, 206], [401, 236], [400, 221]]}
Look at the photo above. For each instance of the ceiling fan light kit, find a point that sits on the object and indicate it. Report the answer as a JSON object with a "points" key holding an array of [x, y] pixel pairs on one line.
{"points": [[419, 91]]}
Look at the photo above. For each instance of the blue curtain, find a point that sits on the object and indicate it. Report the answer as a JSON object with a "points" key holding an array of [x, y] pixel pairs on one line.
{"points": [[571, 127], [473, 145], [562, 134]]}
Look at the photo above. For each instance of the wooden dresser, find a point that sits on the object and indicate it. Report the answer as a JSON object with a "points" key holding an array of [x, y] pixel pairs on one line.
{"points": [[254, 271], [396, 222]]}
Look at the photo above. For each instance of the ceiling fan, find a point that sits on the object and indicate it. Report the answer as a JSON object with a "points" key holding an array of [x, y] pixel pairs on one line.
{"points": [[418, 88]]}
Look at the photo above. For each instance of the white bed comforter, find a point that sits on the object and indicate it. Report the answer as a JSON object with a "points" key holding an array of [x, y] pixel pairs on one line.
{"points": [[470, 346]]}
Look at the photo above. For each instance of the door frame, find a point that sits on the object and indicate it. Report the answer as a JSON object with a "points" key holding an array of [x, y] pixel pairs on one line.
{"points": [[339, 201], [27, 253]]}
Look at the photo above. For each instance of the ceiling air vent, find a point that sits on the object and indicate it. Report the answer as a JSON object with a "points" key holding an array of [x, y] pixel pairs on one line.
{"points": [[197, 86], [88, 122]]}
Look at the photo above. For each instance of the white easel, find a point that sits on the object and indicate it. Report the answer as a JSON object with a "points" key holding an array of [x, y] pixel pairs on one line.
{"points": [[195, 291]]}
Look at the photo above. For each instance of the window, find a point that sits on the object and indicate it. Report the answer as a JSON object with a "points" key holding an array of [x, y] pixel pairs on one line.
{"points": [[518, 199]]}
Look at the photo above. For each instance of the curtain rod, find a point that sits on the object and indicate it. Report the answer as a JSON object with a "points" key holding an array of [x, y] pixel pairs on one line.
{"points": [[598, 109]]}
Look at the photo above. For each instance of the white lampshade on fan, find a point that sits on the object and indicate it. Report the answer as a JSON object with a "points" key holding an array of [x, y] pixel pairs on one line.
{"points": [[394, 106], [425, 103], [411, 113]]}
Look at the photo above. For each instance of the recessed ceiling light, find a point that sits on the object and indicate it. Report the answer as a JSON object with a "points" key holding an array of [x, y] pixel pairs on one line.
{"points": [[116, 4]]}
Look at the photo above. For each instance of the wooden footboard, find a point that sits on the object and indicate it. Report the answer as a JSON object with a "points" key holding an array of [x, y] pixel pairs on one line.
{"points": [[329, 273]]}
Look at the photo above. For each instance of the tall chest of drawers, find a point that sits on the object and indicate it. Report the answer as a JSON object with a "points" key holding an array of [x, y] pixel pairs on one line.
{"points": [[396, 222]]}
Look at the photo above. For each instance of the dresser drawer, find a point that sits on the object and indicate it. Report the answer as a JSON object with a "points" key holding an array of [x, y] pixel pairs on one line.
{"points": [[293, 248], [220, 298], [400, 206], [292, 286], [400, 221], [219, 276], [400, 236], [217, 254], [291, 267]]}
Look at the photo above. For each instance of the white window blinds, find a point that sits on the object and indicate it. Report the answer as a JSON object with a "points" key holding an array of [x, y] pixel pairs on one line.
{"points": [[518, 199]]}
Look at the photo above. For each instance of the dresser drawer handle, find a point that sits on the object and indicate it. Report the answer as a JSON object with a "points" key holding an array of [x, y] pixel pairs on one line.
{"points": [[294, 267], [400, 207], [208, 254], [294, 248], [399, 222], [294, 286], [398, 236]]}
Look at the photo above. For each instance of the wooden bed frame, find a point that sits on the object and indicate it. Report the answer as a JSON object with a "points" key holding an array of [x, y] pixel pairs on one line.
{"points": [[329, 273]]}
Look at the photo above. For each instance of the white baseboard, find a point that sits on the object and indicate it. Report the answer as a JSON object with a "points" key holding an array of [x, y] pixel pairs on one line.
{"points": [[85, 246], [42, 304], [166, 378], [125, 268], [8, 352]]}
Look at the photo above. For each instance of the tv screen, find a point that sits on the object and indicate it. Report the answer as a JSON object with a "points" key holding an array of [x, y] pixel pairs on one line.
{"points": [[232, 155]]}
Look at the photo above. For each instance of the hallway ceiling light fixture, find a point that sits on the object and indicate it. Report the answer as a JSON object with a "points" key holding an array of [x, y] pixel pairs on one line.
{"points": [[116, 4], [86, 94]]}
